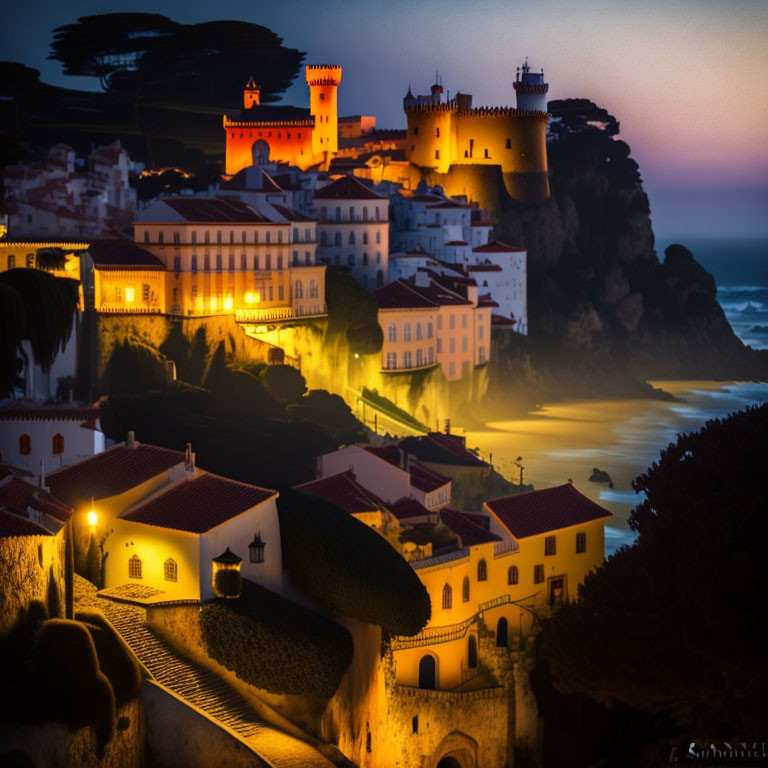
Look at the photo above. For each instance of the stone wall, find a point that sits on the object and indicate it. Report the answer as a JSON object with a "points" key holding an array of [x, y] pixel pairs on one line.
{"points": [[31, 568], [53, 745]]}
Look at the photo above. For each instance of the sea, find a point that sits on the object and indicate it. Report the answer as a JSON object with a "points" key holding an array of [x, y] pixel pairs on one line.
{"points": [[567, 440]]}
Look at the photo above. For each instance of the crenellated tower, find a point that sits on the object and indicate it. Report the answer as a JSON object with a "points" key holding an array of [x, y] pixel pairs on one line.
{"points": [[530, 88], [323, 82], [251, 94]]}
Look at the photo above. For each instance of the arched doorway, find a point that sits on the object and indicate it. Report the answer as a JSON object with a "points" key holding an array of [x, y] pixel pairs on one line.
{"points": [[260, 151], [449, 762], [472, 652], [427, 672], [501, 633]]}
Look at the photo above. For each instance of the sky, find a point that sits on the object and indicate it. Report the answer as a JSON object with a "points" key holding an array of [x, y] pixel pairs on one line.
{"points": [[687, 79]]}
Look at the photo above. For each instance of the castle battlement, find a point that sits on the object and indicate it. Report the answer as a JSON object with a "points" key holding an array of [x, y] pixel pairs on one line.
{"points": [[538, 88], [494, 112], [323, 74], [228, 123]]}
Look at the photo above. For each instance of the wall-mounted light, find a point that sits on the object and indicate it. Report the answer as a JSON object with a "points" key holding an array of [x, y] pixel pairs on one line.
{"points": [[256, 549]]}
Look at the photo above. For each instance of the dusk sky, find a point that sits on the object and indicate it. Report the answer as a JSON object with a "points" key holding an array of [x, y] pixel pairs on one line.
{"points": [[688, 79]]}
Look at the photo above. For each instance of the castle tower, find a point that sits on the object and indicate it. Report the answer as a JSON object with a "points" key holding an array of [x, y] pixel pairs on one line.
{"points": [[531, 89], [323, 82], [251, 93]]}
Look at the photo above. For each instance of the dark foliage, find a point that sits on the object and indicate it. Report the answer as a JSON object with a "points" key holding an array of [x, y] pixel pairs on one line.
{"points": [[274, 644], [227, 582], [673, 625], [330, 412], [387, 406], [580, 116], [284, 382], [116, 660], [52, 258], [37, 306], [133, 367], [348, 567], [353, 311]]}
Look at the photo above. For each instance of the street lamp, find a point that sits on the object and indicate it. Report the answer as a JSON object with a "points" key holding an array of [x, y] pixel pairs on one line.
{"points": [[519, 464], [256, 549]]}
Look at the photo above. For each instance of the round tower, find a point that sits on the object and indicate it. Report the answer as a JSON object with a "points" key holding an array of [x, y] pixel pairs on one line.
{"points": [[323, 82], [251, 93], [531, 89]]}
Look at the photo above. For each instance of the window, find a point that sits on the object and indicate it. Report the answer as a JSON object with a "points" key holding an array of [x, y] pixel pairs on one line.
{"points": [[193, 266], [58, 444], [447, 597], [279, 260], [581, 542], [463, 343], [464, 320], [481, 355], [480, 330], [392, 332], [351, 213], [243, 262], [176, 238], [437, 154], [365, 238], [550, 545], [338, 213], [312, 289], [391, 360], [194, 238], [171, 570], [451, 345], [256, 262], [160, 237], [407, 360], [407, 332], [429, 330], [231, 262], [298, 290], [472, 652], [482, 571], [324, 239], [431, 355], [427, 672], [295, 258], [218, 262], [337, 239], [378, 256], [351, 239], [134, 567], [146, 236], [513, 576], [207, 237], [296, 237], [218, 237], [25, 445], [439, 322], [508, 145], [439, 346], [419, 358], [419, 333], [351, 260], [280, 293], [501, 633], [486, 153], [378, 236], [538, 574], [465, 589], [365, 259], [415, 130]]}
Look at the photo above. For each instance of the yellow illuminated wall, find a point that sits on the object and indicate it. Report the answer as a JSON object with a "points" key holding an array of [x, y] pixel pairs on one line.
{"points": [[130, 290]]}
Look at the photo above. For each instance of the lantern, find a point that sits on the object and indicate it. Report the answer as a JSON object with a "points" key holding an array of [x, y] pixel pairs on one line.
{"points": [[256, 549], [227, 581]]}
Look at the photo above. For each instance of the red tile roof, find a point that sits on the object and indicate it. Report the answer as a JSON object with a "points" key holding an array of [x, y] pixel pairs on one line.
{"points": [[466, 529], [390, 453], [290, 214], [13, 412], [17, 495], [449, 204], [198, 504], [342, 490], [425, 479], [121, 254], [457, 242], [494, 246], [14, 525], [402, 295], [346, 188], [442, 449], [111, 472], [550, 509], [484, 268], [501, 320], [215, 209], [405, 508]]}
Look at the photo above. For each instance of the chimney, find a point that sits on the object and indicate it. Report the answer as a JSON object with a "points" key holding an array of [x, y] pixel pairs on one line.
{"points": [[130, 442], [189, 459], [447, 426]]}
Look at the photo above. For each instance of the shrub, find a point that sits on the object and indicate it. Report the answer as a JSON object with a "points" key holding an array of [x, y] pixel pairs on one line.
{"points": [[348, 567], [65, 673], [116, 660], [284, 383], [330, 412], [227, 582], [274, 644]]}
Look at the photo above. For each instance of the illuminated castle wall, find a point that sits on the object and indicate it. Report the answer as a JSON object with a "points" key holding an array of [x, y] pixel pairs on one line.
{"points": [[442, 134], [301, 142]]}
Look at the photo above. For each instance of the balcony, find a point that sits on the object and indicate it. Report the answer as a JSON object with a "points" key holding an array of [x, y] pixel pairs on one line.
{"points": [[270, 314]]}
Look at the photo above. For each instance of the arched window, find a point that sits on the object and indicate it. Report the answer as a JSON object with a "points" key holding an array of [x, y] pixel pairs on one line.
{"points": [[482, 571], [419, 334], [447, 597], [501, 633], [134, 567], [298, 290], [407, 332], [171, 570], [11, 261], [472, 652], [512, 575], [465, 589], [25, 445], [58, 444], [392, 332], [427, 672]]}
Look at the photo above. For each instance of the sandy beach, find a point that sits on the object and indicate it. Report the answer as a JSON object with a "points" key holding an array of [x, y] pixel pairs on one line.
{"points": [[623, 437]]}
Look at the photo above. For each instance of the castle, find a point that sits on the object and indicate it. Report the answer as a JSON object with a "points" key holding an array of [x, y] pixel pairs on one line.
{"points": [[260, 133], [447, 133]]}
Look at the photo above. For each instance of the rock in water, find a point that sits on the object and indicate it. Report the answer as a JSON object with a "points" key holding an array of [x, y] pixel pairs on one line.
{"points": [[600, 476]]}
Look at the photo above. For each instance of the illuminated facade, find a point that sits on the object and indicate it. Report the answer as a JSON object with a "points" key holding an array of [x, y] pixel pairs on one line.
{"points": [[222, 256], [354, 229], [442, 134], [261, 134], [426, 322]]}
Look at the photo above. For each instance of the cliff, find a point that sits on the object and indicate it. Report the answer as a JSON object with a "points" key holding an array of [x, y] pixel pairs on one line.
{"points": [[605, 313]]}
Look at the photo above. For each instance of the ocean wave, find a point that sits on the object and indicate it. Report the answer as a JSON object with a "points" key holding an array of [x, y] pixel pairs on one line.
{"points": [[741, 288], [743, 306]]}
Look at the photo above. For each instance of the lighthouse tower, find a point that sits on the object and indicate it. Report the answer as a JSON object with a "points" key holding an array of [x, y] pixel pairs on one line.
{"points": [[531, 89], [251, 93], [323, 82]]}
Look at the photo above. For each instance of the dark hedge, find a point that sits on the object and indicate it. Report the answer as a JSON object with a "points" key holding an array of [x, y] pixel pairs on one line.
{"points": [[348, 567], [275, 644]]}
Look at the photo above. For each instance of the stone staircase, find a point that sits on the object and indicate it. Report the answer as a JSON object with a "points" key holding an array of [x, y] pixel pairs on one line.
{"points": [[208, 692]]}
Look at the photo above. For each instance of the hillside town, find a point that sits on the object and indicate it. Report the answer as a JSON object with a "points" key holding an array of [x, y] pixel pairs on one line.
{"points": [[189, 570]]}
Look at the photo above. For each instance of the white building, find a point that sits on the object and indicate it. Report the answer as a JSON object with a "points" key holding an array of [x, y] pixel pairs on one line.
{"points": [[33, 436], [354, 229]]}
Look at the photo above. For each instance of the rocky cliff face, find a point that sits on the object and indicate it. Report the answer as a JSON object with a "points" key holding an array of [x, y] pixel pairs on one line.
{"points": [[605, 313]]}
